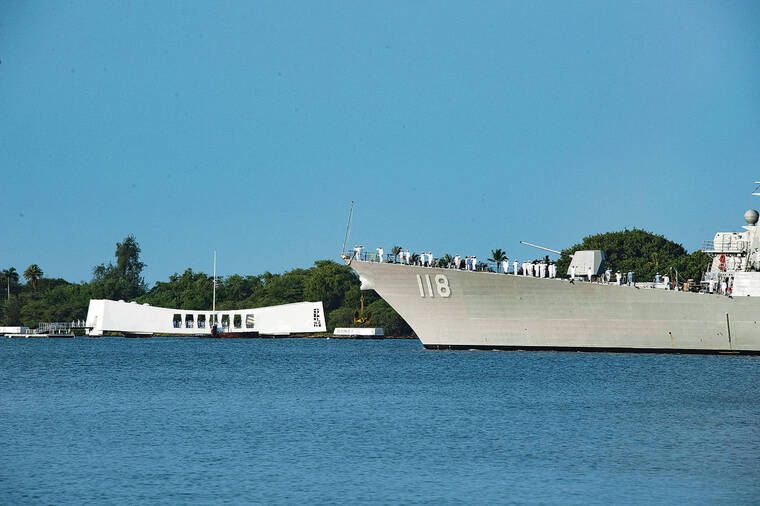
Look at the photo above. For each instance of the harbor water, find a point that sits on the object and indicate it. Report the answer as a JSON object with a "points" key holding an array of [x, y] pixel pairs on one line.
{"points": [[199, 421]]}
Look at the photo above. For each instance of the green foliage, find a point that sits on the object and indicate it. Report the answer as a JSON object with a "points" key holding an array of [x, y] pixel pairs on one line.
{"points": [[190, 290], [497, 255], [32, 274], [384, 316], [330, 282], [10, 280], [12, 311], [642, 252], [122, 281], [128, 262], [334, 284]]}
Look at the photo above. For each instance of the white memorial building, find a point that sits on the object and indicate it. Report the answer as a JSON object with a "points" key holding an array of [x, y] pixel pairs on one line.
{"points": [[143, 319]]}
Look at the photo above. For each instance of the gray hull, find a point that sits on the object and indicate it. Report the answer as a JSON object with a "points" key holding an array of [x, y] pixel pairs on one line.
{"points": [[460, 309]]}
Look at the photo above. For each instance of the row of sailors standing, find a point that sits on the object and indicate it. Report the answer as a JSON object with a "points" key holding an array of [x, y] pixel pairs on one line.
{"points": [[725, 286], [423, 259], [535, 269], [470, 262]]}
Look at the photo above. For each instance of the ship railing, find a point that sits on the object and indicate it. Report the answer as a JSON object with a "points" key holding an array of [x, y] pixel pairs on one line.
{"points": [[724, 246]]}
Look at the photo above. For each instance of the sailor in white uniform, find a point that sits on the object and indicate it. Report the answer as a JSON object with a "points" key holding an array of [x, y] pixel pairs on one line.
{"points": [[505, 265], [607, 275], [590, 273], [474, 263], [380, 254], [542, 268], [666, 280], [572, 272], [618, 277], [711, 284], [406, 254], [514, 266], [457, 260]]}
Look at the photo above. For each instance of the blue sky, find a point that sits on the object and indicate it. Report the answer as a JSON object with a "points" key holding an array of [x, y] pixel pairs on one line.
{"points": [[456, 127]]}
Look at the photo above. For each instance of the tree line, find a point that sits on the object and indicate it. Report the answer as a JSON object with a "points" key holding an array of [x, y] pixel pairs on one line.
{"points": [[43, 299]]}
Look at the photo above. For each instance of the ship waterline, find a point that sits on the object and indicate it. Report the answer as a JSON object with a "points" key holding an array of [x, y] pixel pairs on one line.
{"points": [[450, 308]]}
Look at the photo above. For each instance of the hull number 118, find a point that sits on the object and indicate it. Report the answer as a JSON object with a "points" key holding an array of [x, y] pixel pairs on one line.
{"points": [[441, 285]]}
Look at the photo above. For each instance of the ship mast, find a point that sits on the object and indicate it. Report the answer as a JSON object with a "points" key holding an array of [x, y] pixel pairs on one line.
{"points": [[348, 229]]}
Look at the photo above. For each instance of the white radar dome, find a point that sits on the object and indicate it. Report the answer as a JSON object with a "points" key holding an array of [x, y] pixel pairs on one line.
{"points": [[751, 217]]}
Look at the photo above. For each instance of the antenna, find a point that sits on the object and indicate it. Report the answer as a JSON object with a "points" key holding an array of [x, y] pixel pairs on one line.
{"points": [[348, 228]]}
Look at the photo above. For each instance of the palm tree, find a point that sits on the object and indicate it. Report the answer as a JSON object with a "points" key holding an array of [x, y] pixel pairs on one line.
{"points": [[396, 251], [446, 260], [32, 274], [497, 256], [11, 277]]}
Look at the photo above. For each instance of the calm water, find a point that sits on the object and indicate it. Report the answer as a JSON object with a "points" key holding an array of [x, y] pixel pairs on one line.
{"points": [[295, 421]]}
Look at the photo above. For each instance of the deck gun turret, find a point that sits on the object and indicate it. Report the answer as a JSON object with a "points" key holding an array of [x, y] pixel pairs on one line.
{"points": [[581, 259]]}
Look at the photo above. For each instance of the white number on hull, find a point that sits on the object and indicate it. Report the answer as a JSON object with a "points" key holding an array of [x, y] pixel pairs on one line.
{"points": [[441, 285], [419, 284]]}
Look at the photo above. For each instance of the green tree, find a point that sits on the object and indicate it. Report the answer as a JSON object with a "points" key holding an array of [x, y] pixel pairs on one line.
{"points": [[128, 260], [445, 260], [329, 282], [497, 255], [10, 276], [32, 274], [124, 280], [383, 315], [12, 311]]}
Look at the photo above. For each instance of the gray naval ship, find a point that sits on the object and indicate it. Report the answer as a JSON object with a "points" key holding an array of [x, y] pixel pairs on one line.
{"points": [[456, 309]]}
